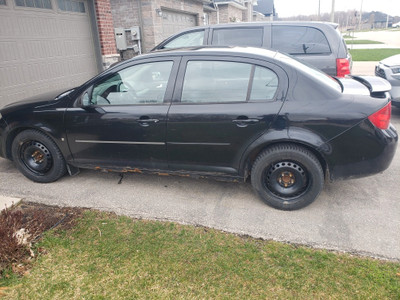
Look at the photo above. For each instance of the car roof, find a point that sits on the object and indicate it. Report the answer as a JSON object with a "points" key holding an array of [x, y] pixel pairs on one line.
{"points": [[261, 23], [213, 50]]}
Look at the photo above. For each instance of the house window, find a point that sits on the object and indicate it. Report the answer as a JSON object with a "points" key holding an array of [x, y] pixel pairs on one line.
{"points": [[3, 2], [74, 6], [33, 3]]}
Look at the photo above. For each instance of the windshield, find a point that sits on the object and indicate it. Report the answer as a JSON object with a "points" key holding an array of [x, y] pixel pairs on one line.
{"points": [[309, 70]]}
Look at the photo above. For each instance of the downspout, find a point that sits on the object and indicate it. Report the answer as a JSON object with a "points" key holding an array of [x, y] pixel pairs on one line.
{"points": [[142, 42], [217, 8]]}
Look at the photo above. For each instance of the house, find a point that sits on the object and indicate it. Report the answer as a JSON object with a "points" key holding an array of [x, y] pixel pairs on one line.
{"points": [[48, 45]]}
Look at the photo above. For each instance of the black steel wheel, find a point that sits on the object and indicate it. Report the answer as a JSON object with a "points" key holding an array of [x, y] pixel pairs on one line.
{"points": [[287, 176], [37, 156]]}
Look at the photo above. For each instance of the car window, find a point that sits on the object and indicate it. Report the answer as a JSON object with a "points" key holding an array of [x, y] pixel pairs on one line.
{"points": [[140, 84], [238, 37], [264, 85], [223, 81], [186, 40], [299, 40], [215, 81]]}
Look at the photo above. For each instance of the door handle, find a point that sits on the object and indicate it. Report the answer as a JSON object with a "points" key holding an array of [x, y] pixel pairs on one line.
{"points": [[145, 121], [245, 122]]}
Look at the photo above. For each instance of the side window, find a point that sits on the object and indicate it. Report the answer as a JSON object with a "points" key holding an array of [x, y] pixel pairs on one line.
{"points": [[265, 84], [186, 40], [215, 82], [140, 84], [299, 40], [238, 37]]}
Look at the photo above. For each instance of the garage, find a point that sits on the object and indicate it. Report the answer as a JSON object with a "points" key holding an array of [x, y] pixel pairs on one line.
{"points": [[45, 45], [173, 22]]}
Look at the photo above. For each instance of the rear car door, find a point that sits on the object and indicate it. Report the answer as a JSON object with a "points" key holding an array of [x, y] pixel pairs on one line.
{"points": [[120, 120], [220, 106]]}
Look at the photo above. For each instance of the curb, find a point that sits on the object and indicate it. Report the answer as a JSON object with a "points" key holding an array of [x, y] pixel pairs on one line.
{"points": [[7, 202]]}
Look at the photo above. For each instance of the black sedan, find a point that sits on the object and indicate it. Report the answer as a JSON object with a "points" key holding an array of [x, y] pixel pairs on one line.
{"points": [[230, 113]]}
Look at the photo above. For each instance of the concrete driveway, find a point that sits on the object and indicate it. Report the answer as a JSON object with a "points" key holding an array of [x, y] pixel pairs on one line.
{"points": [[361, 216]]}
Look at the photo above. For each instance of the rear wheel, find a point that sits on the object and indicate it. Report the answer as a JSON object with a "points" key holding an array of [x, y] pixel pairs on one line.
{"points": [[287, 176], [37, 156]]}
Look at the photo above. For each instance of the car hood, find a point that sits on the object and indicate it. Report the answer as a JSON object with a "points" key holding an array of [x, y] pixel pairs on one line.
{"points": [[391, 61], [38, 100]]}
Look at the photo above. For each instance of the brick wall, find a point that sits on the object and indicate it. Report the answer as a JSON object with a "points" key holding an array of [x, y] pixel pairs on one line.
{"points": [[106, 32], [229, 13], [126, 14]]}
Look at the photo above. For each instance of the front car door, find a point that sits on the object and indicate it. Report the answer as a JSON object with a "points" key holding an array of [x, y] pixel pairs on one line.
{"points": [[220, 106], [120, 120]]}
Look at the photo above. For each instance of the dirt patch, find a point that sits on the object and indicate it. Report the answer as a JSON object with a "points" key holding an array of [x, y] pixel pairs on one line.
{"points": [[22, 226]]}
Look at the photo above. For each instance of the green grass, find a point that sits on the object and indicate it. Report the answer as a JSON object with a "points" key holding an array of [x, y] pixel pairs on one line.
{"points": [[372, 54], [109, 257], [361, 42]]}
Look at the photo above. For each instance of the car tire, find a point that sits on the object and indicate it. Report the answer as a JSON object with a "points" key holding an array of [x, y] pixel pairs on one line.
{"points": [[287, 176], [37, 156]]}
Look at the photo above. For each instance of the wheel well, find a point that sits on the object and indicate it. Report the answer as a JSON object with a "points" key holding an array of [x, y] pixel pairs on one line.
{"points": [[10, 138], [256, 152]]}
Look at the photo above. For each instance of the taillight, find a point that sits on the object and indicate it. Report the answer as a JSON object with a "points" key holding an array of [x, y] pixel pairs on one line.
{"points": [[342, 67], [381, 118]]}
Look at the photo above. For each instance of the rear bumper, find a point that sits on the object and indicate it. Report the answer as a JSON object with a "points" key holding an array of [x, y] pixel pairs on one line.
{"points": [[361, 151]]}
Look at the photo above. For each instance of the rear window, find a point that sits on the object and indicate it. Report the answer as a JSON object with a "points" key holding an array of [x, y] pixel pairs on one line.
{"points": [[238, 37], [297, 40], [315, 74]]}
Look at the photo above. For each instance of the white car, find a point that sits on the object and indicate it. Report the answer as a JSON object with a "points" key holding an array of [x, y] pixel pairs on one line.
{"points": [[389, 68], [396, 25]]}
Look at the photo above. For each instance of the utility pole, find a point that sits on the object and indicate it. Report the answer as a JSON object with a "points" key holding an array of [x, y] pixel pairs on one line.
{"points": [[319, 10], [333, 11], [359, 23]]}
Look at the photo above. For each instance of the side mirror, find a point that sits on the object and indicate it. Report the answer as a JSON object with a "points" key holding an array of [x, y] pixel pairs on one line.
{"points": [[85, 100]]}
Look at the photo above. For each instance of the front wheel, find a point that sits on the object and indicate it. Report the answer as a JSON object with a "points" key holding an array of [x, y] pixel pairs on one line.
{"points": [[287, 176], [37, 156]]}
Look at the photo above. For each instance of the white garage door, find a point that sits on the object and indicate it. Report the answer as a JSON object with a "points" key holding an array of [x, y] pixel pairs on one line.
{"points": [[45, 45], [174, 22]]}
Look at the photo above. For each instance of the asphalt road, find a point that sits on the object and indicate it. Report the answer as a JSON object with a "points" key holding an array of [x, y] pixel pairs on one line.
{"points": [[361, 216]]}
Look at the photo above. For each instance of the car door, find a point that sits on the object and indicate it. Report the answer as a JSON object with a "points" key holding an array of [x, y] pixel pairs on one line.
{"points": [[220, 106], [120, 120]]}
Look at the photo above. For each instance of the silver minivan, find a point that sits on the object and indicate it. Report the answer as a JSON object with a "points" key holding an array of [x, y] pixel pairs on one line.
{"points": [[317, 43]]}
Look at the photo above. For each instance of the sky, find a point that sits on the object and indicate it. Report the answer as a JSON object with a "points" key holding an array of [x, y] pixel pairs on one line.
{"points": [[289, 8]]}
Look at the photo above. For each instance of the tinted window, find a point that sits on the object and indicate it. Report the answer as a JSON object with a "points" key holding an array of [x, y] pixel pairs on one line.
{"points": [[140, 84], [265, 84], [187, 40], [299, 40], [221, 81], [238, 37]]}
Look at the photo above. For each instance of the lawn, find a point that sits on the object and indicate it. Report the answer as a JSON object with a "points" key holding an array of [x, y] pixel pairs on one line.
{"points": [[372, 54], [361, 42], [109, 257]]}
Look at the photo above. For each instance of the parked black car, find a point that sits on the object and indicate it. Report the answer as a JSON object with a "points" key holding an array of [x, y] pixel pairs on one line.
{"points": [[218, 112], [317, 43]]}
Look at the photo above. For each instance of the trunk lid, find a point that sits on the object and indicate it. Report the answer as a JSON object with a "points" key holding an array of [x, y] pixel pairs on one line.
{"points": [[365, 85]]}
